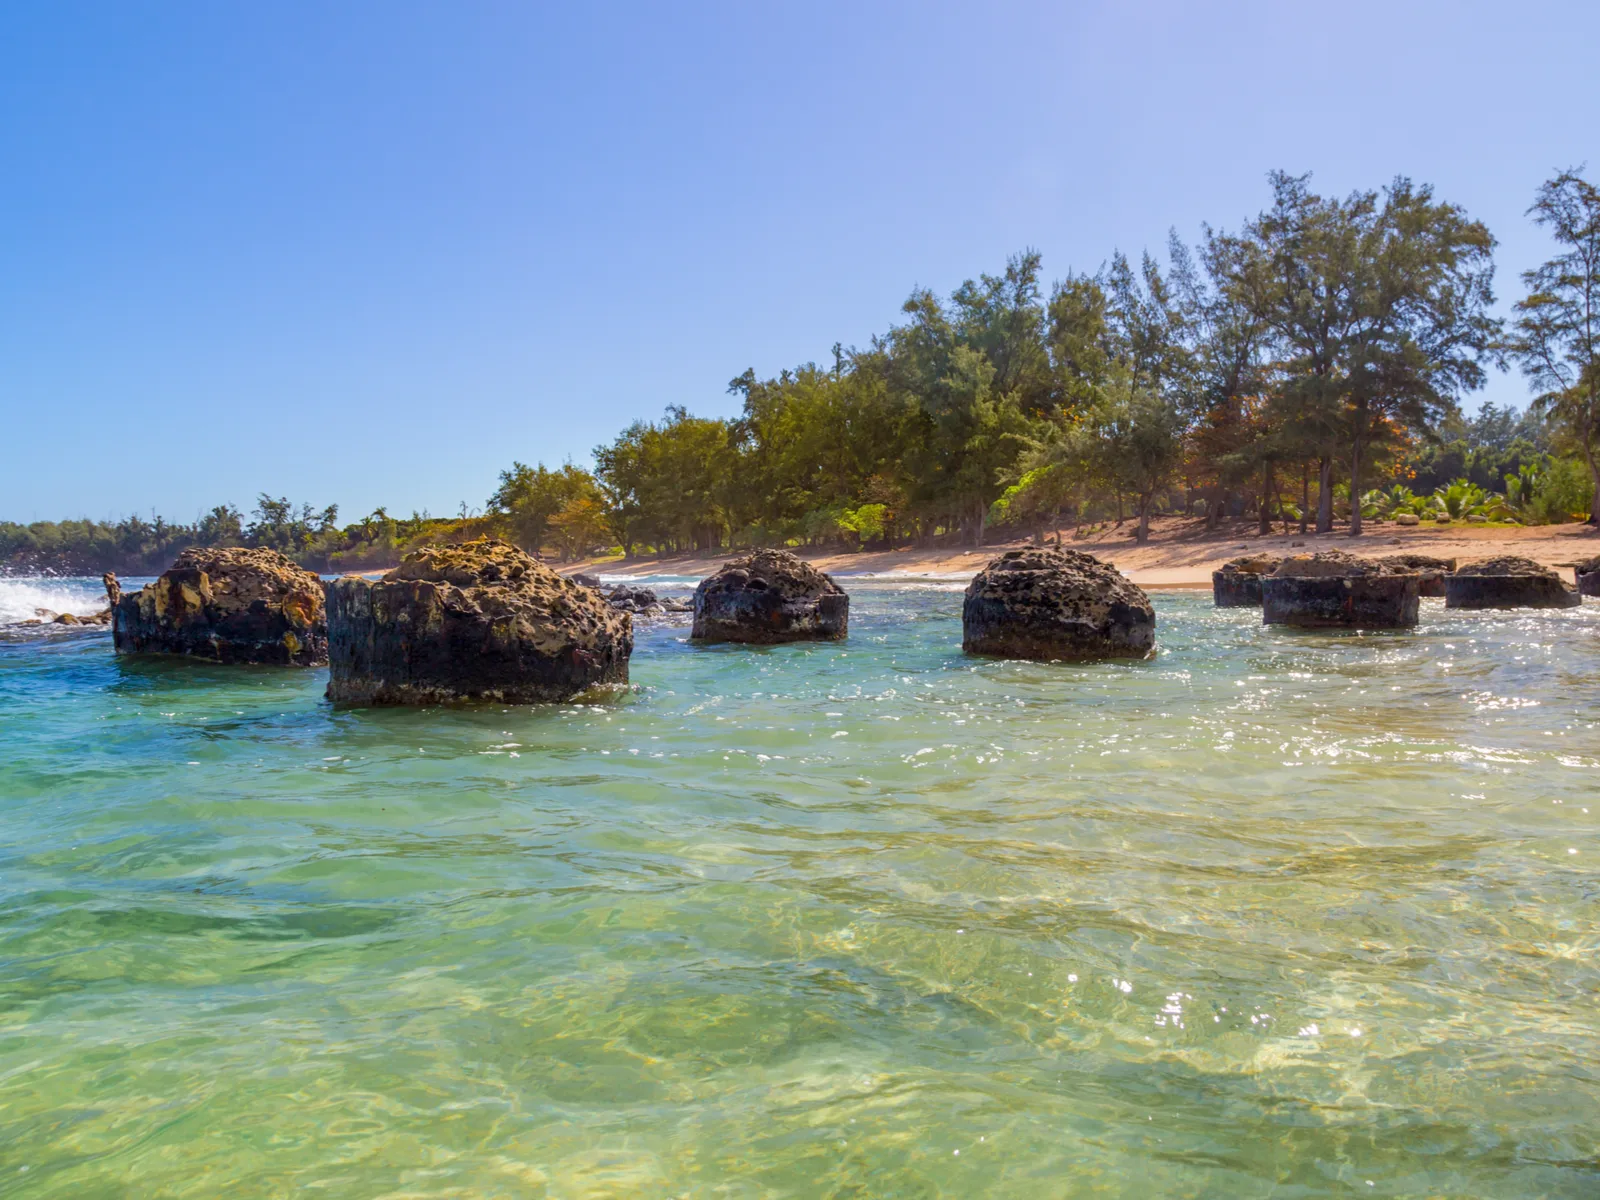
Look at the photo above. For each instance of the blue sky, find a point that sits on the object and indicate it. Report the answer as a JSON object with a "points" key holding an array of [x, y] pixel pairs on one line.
{"points": [[370, 253]]}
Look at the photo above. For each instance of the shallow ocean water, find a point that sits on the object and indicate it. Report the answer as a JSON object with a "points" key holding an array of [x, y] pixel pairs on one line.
{"points": [[1272, 914]]}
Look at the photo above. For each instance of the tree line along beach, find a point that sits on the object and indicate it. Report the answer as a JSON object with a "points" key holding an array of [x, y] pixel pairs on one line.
{"points": [[1306, 369]]}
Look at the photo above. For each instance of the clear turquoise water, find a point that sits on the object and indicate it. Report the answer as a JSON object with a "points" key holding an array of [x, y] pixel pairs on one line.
{"points": [[1273, 914]]}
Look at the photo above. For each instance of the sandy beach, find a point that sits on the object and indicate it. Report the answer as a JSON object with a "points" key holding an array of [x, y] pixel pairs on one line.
{"points": [[1181, 553]]}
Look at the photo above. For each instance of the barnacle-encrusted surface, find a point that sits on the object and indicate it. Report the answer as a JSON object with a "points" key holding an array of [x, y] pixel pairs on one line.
{"points": [[233, 605], [1049, 603], [478, 621], [769, 596]]}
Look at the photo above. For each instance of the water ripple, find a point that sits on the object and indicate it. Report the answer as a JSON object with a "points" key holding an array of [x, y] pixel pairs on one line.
{"points": [[1270, 914]]}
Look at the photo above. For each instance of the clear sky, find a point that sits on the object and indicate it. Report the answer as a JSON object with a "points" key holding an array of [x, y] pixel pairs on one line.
{"points": [[368, 253]]}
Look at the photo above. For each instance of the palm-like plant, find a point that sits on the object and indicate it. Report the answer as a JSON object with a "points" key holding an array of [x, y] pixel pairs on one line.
{"points": [[1401, 499], [1463, 498], [1520, 488], [1459, 499]]}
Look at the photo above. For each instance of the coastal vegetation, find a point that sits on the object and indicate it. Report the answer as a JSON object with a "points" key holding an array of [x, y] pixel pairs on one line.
{"points": [[1318, 353], [312, 537]]}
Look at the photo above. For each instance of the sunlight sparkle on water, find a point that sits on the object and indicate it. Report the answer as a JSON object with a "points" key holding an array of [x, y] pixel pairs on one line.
{"points": [[695, 942]]}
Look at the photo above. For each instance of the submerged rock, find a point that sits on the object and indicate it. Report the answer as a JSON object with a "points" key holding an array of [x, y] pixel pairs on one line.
{"points": [[645, 604], [1053, 604], [48, 622], [479, 621], [1238, 583], [767, 597], [1508, 581], [231, 605], [1335, 590], [1431, 570], [632, 599]]}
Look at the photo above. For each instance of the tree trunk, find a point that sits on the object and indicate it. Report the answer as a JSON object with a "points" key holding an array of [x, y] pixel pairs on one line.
{"points": [[1355, 488], [1143, 534], [1264, 517], [1325, 495], [1305, 495]]}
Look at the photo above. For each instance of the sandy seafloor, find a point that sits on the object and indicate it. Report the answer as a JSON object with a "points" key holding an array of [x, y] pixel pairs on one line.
{"points": [[1272, 914]]}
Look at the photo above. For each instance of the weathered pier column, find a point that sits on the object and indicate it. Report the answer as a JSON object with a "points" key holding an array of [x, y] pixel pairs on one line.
{"points": [[1334, 590], [1431, 569], [1587, 576], [1238, 583], [1508, 581]]}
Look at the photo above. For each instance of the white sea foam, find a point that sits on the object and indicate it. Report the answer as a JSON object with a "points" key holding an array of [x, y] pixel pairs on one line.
{"points": [[21, 598], [909, 576], [938, 581], [654, 581]]}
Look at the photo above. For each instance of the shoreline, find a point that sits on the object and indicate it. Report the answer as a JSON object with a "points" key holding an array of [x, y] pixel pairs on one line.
{"points": [[1180, 555]]}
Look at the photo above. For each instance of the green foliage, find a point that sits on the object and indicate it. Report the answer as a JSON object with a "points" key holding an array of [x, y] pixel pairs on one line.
{"points": [[1558, 323], [1484, 449], [529, 499], [1396, 500], [1041, 491], [1542, 492], [1378, 304], [309, 535], [912, 434], [1460, 499], [278, 525], [869, 522], [1524, 485], [1133, 438], [673, 484], [581, 525], [1565, 492]]}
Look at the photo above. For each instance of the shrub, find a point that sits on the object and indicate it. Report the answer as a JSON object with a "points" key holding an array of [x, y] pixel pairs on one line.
{"points": [[1563, 493]]}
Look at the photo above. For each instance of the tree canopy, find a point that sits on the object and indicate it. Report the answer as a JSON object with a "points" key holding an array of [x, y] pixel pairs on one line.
{"points": [[1558, 323]]}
